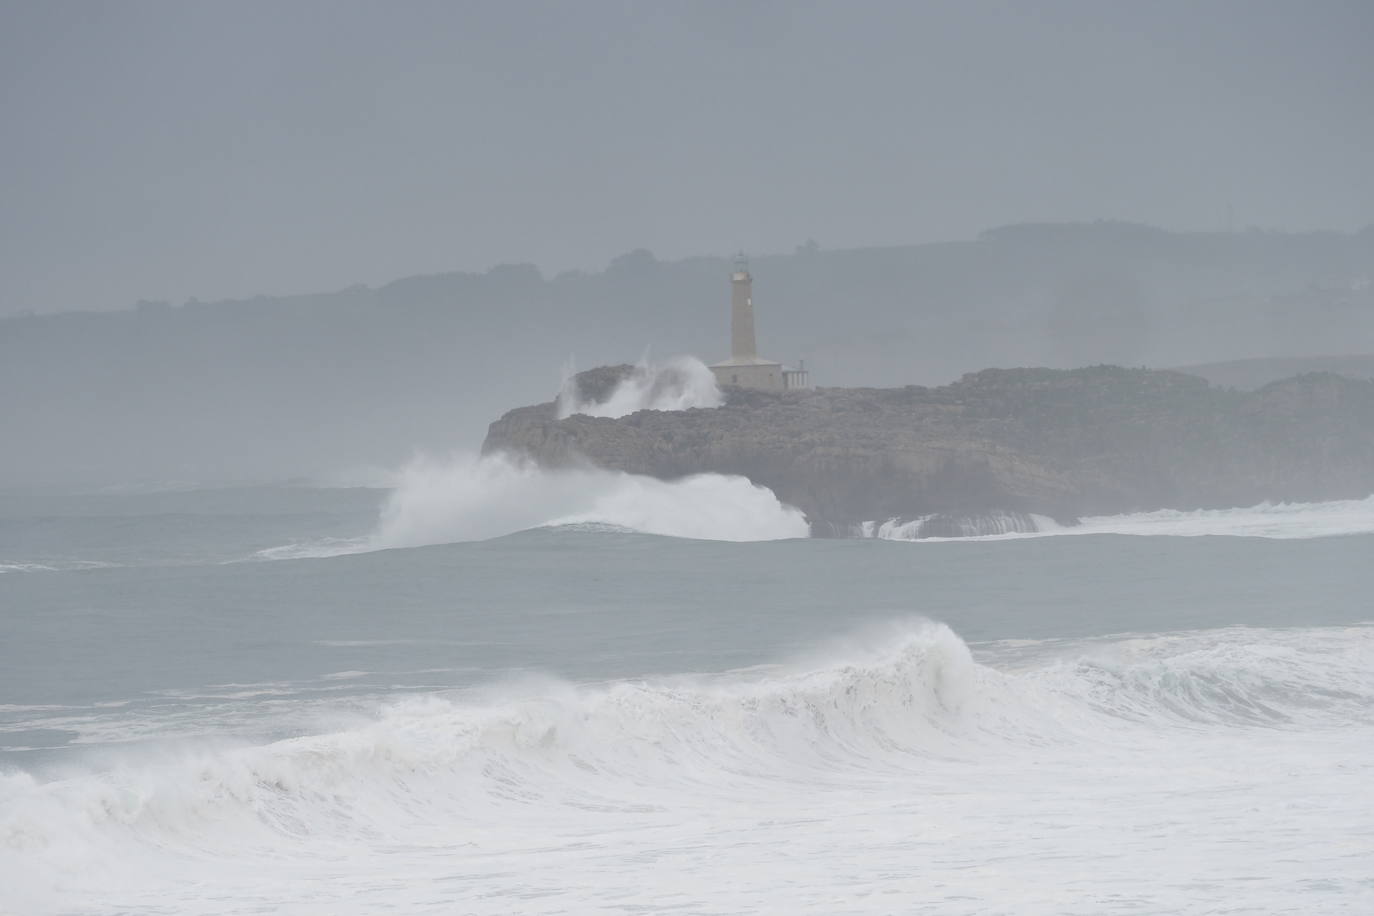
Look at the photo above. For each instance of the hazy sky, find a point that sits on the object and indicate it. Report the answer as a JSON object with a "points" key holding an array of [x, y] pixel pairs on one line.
{"points": [[169, 150]]}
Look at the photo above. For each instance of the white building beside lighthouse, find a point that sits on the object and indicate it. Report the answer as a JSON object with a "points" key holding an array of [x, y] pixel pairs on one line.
{"points": [[745, 368]]}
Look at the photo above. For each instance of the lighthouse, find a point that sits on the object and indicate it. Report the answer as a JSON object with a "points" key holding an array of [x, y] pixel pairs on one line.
{"points": [[745, 368], [743, 346]]}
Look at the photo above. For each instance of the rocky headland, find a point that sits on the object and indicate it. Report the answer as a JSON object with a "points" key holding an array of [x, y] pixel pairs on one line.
{"points": [[991, 450]]}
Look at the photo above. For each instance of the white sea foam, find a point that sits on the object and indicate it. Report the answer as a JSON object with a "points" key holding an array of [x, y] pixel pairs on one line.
{"points": [[1266, 520], [981, 527], [25, 567], [317, 548], [470, 499], [679, 383], [1154, 774], [1283, 521], [58, 566]]}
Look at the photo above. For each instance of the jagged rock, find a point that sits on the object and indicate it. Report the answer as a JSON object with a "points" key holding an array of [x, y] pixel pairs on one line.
{"points": [[1000, 442]]}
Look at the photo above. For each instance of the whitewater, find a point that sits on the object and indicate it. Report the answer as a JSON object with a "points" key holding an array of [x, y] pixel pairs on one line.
{"points": [[1176, 772], [624, 695], [475, 498], [1267, 520], [678, 383]]}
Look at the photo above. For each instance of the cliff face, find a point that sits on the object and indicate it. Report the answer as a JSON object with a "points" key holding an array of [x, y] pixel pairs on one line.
{"points": [[1102, 440]]}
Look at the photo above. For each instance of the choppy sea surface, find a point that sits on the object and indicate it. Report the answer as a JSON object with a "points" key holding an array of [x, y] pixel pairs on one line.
{"points": [[484, 690]]}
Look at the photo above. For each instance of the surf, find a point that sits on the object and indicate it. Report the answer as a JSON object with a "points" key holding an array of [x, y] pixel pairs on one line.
{"points": [[905, 717], [1276, 521], [470, 499]]}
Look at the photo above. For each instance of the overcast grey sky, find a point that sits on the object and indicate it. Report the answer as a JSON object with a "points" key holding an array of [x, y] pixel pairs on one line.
{"points": [[169, 150]]}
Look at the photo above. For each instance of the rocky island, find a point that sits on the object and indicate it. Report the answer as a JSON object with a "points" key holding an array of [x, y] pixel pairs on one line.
{"points": [[990, 451]]}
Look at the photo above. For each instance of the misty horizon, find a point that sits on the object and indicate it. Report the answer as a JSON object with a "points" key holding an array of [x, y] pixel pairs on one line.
{"points": [[165, 153], [321, 384], [808, 245]]}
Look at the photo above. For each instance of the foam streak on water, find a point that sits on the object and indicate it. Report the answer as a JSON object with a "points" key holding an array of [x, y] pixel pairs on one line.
{"points": [[896, 772], [1283, 521], [1267, 520]]}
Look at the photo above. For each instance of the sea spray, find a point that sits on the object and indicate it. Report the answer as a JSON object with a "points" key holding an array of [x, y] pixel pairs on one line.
{"points": [[909, 696], [468, 499], [455, 769], [900, 744], [679, 383], [889, 700]]}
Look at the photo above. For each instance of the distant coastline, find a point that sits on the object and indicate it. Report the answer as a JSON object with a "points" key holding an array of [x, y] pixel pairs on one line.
{"points": [[313, 385], [1250, 374]]}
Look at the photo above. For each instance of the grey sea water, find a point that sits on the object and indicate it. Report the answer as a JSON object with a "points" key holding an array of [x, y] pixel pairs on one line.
{"points": [[199, 715]]}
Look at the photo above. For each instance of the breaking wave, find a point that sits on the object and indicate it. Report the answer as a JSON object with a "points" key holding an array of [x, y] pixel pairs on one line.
{"points": [[476, 499], [888, 704], [679, 383], [479, 498]]}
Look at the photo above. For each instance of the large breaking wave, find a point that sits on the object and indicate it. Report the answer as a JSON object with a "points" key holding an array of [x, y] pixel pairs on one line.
{"points": [[445, 773], [475, 499]]}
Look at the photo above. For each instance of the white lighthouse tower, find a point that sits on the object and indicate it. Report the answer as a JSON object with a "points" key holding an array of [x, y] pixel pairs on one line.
{"points": [[745, 368]]}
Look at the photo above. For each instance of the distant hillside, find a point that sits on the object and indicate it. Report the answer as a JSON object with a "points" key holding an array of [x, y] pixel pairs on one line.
{"points": [[275, 387], [1249, 374]]}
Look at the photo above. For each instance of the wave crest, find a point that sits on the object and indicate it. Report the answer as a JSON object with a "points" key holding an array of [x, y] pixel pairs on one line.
{"points": [[475, 499], [889, 706]]}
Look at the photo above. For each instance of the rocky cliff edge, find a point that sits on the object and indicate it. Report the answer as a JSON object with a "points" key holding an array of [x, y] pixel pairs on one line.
{"points": [[1059, 443]]}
